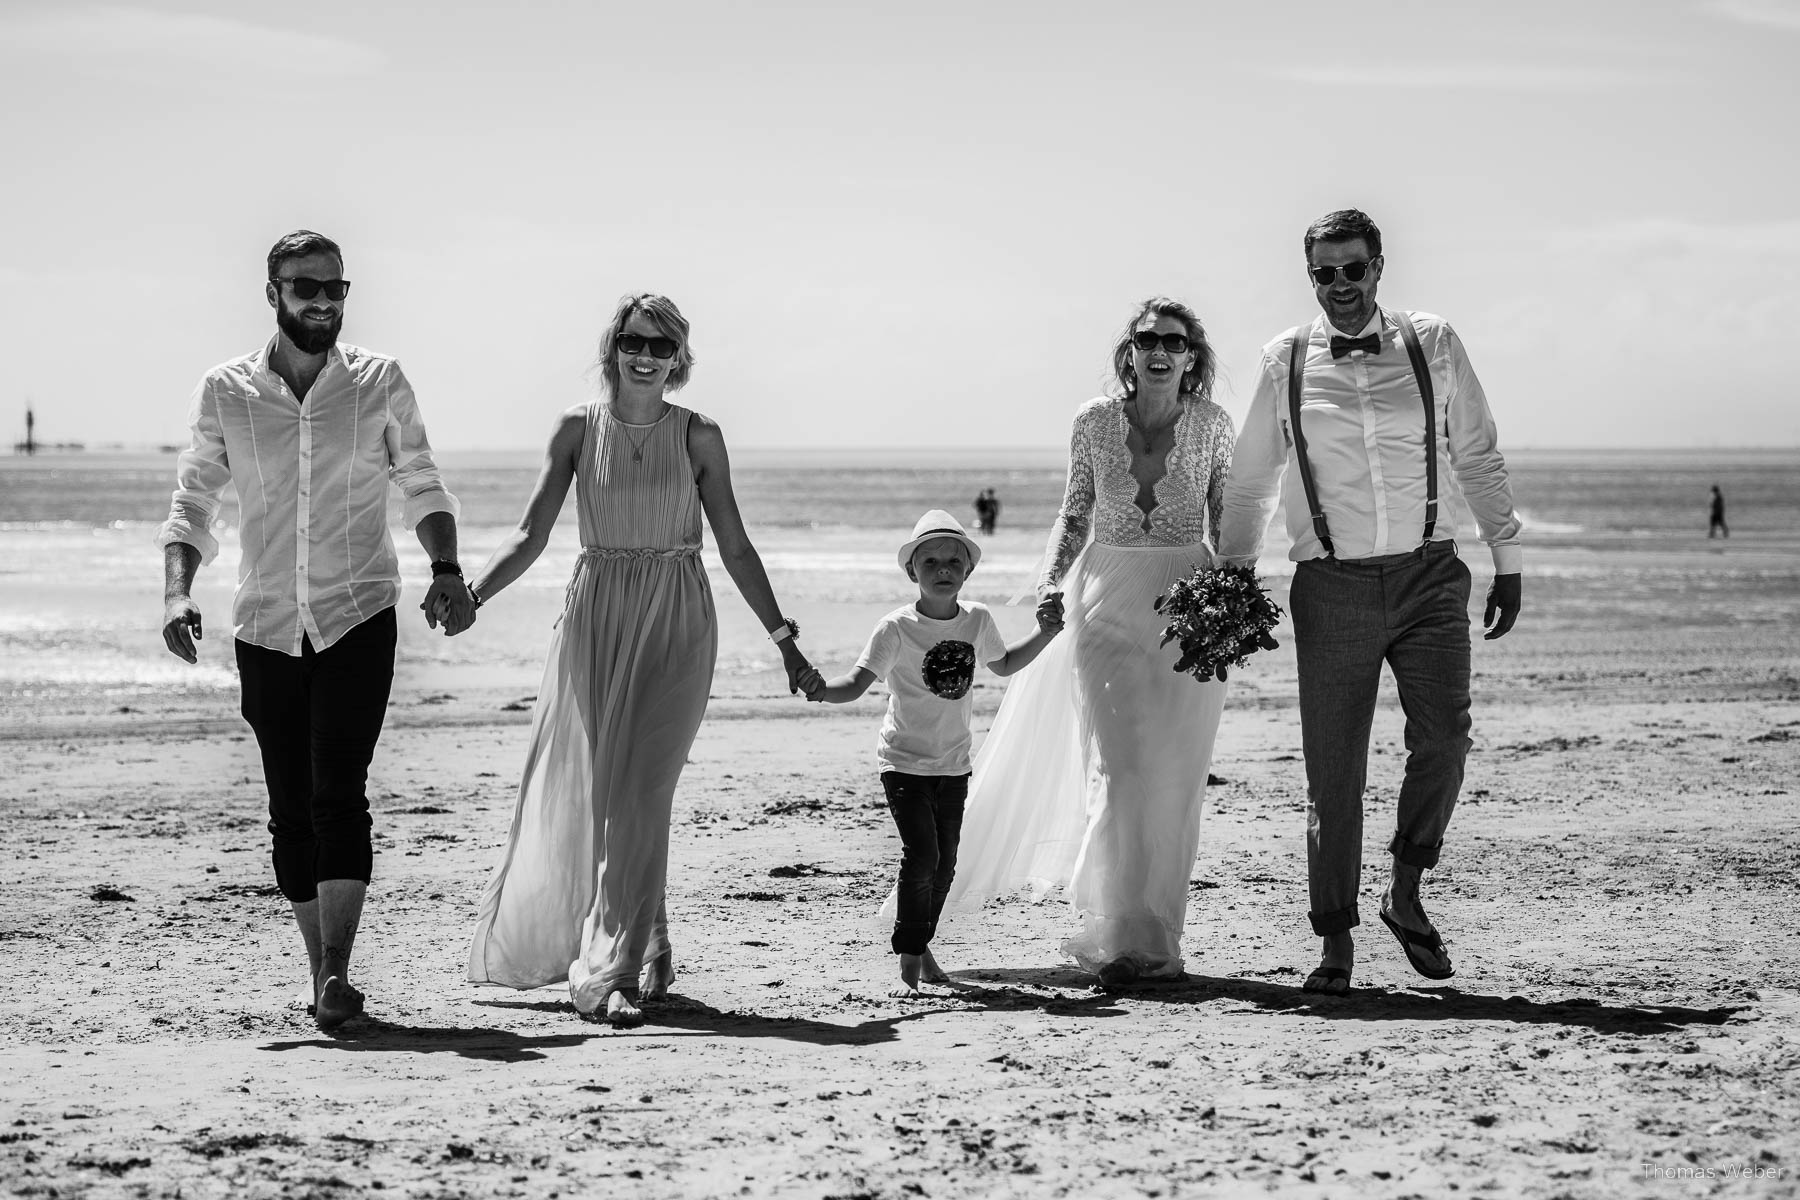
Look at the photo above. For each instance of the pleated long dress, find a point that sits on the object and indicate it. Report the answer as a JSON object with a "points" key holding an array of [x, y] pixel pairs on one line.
{"points": [[578, 892]]}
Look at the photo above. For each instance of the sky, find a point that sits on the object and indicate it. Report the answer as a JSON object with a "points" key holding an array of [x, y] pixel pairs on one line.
{"points": [[914, 224]]}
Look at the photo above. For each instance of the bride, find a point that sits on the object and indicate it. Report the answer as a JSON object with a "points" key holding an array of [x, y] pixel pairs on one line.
{"points": [[1094, 772]]}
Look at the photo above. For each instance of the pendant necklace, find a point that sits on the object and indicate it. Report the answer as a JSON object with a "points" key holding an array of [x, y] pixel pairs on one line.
{"points": [[637, 447], [637, 444]]}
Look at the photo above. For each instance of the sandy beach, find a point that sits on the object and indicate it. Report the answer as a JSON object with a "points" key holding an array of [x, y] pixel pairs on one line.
{"points": [[1618, 894]]}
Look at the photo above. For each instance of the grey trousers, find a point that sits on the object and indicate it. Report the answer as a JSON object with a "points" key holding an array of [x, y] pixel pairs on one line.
{"points": [[1410, 611]]}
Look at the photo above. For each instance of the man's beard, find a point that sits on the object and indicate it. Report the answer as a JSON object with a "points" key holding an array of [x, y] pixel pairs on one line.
{"points": [[307, 337]]}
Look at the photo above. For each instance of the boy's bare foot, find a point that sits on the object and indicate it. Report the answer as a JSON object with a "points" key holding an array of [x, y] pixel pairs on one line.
{"points": [[338, 1002], [658, 976], [911, 967], [933, 973], [621, 1012]]}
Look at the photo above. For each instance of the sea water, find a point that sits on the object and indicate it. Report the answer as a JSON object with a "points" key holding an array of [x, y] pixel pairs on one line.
{"points": [[1615, 540]]}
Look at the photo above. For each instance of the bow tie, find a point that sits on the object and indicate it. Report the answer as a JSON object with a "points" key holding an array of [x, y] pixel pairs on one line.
{"points": [[1341, 346]]}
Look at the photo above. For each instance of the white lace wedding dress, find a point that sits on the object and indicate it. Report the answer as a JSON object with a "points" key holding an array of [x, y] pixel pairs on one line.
{"points": [[1094, 773]]}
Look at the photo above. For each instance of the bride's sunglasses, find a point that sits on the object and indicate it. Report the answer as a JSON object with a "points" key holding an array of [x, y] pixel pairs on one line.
{"points": [[1325, 276], [305, 289], [1148, 339], [637, 343]]}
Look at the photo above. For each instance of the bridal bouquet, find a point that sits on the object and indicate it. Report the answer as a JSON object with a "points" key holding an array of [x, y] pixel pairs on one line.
{"points": [[1220, 616]]}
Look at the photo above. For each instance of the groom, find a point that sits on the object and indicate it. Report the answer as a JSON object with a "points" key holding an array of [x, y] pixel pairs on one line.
{"points": [[310, 431], [1338, 427]]}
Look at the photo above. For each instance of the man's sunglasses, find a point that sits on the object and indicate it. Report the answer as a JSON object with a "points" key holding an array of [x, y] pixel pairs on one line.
{"points": [[1148, 339], [1325, 276], [305, 289], [637, 343]]}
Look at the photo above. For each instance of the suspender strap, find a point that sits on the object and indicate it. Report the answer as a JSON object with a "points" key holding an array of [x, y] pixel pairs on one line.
{"points": [[1297, 368], [1422, 373]]}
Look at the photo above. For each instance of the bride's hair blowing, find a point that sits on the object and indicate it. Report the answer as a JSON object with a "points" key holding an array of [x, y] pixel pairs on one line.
{"points": [[1196, 383], [668, 320]]}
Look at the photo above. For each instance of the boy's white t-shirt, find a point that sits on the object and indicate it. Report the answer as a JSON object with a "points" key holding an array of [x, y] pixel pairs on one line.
{"points": [[924, 733]]}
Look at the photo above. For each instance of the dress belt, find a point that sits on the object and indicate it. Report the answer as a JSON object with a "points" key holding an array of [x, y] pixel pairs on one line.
{"points": [[602, 553], [639, 552]]}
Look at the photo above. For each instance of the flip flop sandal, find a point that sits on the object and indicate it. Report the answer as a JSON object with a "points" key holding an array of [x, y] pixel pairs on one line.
{"points": [[1431, 941], [1330, 975]]}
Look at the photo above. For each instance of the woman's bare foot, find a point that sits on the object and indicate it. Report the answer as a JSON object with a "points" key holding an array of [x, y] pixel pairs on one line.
{"points": [[621, 1012], [1118, 973], [337, 1003], [933, 973], [658, 976]]}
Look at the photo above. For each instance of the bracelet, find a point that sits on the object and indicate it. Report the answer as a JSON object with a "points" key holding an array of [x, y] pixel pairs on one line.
{"points": [[475, 595], [789, 628], [445, 566]]}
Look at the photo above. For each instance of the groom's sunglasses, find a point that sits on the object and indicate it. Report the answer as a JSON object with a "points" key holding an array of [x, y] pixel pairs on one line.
{"points": [[1147, 339], [1325, 276], [305, 289], [637, 343]]}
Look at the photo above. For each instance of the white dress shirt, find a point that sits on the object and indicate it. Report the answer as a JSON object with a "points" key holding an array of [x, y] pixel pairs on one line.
{"points": [[1365, 441], [312, 483]]}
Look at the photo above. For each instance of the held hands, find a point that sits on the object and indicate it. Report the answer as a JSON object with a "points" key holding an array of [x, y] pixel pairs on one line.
{"points": [[813, 684], [794, 662], [181, 628], [1050, 614], [448, 603], [1503, 600]]}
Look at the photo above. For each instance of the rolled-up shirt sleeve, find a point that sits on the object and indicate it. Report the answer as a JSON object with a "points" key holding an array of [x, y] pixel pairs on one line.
{"points": [[1253, 488], [201, 473], [410, 464], [1475, 456]]}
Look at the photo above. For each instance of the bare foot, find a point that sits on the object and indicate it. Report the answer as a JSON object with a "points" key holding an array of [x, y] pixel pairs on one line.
{"points": [[933, 972], [1118, 973], [338, 1002], [658, 976], [621, 1012], [911, 966]]}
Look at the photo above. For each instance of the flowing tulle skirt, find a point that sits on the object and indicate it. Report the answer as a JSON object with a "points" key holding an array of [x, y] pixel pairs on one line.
{"points": [[578, 892], [1094, 772]]}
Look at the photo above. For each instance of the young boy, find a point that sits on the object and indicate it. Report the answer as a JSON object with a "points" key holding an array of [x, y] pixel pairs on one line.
{"points": [[927, 651]]}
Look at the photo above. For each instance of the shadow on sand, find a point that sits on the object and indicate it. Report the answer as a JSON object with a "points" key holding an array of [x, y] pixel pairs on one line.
{"points": [[1434, 1003], [487, 1045]]}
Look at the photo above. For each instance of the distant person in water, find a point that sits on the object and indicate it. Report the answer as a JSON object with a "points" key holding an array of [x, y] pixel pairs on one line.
{"points": [[310, 431], [987, 511], [1715, 526]]}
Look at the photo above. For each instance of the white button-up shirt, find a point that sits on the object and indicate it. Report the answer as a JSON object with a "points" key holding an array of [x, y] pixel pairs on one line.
{"points": [[312, 483], [1365, 440]]}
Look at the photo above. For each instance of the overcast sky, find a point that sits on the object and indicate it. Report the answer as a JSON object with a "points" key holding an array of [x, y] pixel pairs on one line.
{"points": [[908, 223]]}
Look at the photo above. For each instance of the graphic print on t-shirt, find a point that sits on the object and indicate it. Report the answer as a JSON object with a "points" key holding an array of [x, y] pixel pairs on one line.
{"points": [[950, 669]]}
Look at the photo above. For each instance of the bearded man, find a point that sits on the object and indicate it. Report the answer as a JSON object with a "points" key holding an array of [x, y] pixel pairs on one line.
{"points": [[310, 432]]}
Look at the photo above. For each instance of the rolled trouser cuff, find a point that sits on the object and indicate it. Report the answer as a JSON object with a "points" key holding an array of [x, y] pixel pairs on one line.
{"points": [[1341, 921], [910, 938], [1413, 854]]}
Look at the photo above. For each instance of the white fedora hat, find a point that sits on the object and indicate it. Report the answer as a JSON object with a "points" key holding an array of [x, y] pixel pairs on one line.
{"points": [[938, 524]]}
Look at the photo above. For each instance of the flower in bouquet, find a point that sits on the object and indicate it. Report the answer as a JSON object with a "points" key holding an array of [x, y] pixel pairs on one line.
{"points": [[1219, 616], [950, 669]]}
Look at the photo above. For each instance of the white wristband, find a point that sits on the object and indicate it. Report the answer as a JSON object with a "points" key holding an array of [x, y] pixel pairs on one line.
{"points": [[782, 632]]}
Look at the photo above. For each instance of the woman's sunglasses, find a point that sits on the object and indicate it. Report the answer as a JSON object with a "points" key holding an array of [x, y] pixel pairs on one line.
{"points": [[305, 289], [1148, 339], [1324, 276], [637, 343]]}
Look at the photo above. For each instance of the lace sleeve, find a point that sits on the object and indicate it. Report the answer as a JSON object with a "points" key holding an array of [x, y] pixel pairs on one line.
{"points": [[1224, 438], [1070, 533]]}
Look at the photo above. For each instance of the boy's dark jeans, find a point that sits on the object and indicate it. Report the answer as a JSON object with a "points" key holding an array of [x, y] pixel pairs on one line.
{"points": [[928, 811]]}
